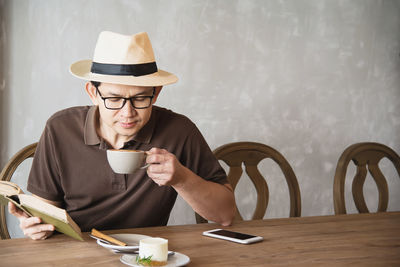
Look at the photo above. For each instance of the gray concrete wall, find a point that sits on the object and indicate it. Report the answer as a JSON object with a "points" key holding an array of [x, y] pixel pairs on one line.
{"points": [[308, 78]]}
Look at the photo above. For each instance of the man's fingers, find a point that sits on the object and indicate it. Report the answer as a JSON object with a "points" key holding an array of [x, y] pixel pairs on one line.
{"points": [[158, 158], [14, 210], [152, 151], [156, 150], [160, 178], [31, 226], [41, 235], [156, 168], [36, 231], [29, 222], [38, 236]]}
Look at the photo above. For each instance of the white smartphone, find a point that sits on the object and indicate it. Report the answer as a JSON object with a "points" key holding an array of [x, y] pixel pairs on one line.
{"points": [[233, 236]]}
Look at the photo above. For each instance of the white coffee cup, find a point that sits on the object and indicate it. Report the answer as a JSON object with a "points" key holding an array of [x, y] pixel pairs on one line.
{"points": [[126, 161]]}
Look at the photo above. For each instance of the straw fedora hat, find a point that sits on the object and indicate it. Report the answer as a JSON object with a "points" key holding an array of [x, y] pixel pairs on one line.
{"points": [[123, 59]]}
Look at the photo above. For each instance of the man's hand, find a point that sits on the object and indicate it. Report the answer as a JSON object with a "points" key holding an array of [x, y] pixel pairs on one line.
{"points": [[165, 169], [31, 226], [212, 201]]}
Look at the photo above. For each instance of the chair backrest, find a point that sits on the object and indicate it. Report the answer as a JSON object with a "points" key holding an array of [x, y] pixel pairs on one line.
{"points": [[363, 155], [6, 175], [250, 154]]}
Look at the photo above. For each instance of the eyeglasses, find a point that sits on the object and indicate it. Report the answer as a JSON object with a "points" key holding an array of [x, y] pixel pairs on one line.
{"points": [[138, 102]]}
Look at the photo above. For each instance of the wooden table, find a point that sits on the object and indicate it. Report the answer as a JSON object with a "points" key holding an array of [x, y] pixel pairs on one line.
{"points": [[359, 239]]}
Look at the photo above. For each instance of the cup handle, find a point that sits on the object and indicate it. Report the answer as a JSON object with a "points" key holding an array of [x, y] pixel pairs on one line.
{"points": [[148, 164], [145, 166]]}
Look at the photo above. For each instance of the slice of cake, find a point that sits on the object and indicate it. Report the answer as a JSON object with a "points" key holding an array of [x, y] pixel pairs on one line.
{"points": [[153, 251]]}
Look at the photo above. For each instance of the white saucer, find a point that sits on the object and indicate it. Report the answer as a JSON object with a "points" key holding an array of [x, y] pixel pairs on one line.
{"points": [[178, 259], [131, 240]]}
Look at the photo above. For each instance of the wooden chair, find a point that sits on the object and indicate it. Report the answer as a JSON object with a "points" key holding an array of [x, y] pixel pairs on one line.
{"points": [[6, 175], [363, 155], [250, 154]]}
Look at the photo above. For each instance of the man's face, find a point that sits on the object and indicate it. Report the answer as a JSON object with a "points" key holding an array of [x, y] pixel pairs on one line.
{"points": [[125, 122]]}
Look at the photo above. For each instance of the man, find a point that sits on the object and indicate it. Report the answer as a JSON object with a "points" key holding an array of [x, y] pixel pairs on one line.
{"points": [[70, 168]]}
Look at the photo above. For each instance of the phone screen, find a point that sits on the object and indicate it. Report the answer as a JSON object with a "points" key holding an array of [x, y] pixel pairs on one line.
{"points": [[236, 235]]}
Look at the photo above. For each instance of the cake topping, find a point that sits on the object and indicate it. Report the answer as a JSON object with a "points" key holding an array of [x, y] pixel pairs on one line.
{"points": [[153, 251]]}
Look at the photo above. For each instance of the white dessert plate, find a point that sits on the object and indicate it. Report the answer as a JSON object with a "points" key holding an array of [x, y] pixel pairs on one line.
{"points": [[131, 240], [178, 259]]}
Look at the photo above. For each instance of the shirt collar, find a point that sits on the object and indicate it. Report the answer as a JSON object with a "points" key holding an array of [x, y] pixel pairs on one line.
{"points": [[90, 135]]}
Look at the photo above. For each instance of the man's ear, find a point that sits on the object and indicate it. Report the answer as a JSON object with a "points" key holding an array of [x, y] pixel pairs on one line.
{"points": [[91, 91], [158, 90]]}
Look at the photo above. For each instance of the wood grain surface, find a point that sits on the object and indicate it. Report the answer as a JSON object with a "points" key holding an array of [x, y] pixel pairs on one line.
{"points": [[341, 240]]}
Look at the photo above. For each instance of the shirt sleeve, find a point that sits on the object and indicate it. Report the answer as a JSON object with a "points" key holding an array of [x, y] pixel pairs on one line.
{"points": [[201, 160], [44, 178]]}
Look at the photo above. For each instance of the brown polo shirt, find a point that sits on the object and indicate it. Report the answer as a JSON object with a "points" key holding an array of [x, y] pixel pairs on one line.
{"points": [[70, 165]]}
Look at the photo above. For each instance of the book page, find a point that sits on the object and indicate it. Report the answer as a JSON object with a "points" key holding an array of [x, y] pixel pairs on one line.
{"points": [[9, 188], [42, 206]]}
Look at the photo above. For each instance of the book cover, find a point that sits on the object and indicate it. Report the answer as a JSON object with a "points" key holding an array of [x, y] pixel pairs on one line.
{"points": [[36, 207]]}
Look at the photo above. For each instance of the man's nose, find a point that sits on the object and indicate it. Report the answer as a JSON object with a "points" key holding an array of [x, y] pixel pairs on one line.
{"points": [[128, 109]]}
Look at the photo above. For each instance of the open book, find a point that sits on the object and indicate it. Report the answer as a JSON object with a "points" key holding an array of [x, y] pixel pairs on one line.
{"points": [[34, 206]]}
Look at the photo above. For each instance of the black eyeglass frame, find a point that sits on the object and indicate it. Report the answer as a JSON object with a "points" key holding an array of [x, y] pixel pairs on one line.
{"points": [[131, 99]]}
